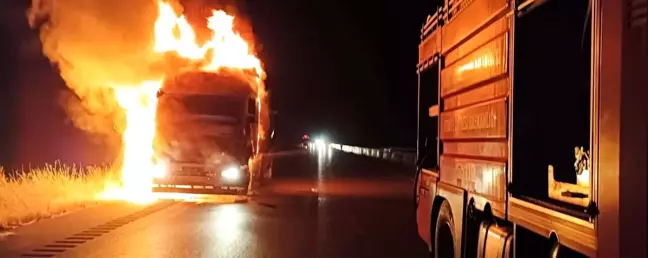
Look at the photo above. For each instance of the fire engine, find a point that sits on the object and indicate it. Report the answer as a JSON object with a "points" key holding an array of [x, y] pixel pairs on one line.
{"points": [[532, 128]]}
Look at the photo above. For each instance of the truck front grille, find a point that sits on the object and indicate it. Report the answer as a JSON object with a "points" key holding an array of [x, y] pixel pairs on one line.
{"points": [[190, 171]]}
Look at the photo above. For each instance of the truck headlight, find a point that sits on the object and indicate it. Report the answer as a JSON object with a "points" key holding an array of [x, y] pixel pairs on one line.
{"points": [[231, 173], [160, 169]]}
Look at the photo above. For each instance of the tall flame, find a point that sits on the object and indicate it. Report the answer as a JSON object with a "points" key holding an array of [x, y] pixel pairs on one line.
{"points": [[139, 104], [225, 49]]}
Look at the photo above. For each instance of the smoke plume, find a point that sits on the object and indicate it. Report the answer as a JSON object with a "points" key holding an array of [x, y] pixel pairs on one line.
{"points": [[96, 44]]}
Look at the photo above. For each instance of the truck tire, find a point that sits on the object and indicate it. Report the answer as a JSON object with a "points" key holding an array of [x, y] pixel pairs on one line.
{"points": [[267, 171], [444, 234]]}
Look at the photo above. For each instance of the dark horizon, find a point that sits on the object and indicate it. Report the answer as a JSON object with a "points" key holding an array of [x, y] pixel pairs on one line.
{"points": [[345, 69]]}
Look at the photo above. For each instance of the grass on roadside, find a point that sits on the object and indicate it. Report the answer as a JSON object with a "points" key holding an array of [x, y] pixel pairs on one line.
{"points": [[53, 189]]}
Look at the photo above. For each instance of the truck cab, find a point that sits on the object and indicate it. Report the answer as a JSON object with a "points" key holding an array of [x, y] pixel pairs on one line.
{"points": [[208, 133]]}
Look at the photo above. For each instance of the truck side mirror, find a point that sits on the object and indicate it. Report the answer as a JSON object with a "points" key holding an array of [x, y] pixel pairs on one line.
{"points": [[160, 93]]}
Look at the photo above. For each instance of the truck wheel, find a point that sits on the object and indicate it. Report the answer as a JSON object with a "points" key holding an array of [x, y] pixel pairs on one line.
{"points": [[444, 233], [267, 172]]}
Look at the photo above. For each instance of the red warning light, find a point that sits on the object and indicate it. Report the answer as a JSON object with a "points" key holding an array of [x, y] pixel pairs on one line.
{"points": [[305, 137]]}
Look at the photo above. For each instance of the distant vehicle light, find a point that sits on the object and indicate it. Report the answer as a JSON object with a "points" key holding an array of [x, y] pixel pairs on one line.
{"points": [[320, 142], [231, 173]]}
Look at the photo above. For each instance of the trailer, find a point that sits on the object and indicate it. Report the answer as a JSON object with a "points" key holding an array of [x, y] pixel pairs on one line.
{"points": [[532, 131]]}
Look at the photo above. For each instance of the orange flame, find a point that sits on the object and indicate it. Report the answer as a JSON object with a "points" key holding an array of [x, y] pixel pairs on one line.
{"points": [[225, 49]]}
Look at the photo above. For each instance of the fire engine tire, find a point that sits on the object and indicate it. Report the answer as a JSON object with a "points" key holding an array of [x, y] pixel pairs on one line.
{"points": [[554, 247], [415, 195], [444, 234]]}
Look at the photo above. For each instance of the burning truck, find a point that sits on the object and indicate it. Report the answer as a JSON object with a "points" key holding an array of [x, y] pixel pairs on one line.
{"points": [[189, 105], [211, 133]]}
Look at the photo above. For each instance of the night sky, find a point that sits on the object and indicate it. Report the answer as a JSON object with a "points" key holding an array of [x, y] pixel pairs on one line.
{"points": [[344, 68]]}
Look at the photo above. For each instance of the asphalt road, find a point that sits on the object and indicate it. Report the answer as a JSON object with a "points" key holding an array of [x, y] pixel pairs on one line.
{"points": [[325, 204]]}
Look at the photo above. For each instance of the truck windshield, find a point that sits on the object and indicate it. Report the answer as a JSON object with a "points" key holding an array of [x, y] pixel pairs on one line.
{"points": [[203, 105]]}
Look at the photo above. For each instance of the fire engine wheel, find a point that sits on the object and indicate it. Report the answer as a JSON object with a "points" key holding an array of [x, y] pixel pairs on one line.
{"points": [[415, 195], [444, 233], [554, 246]]}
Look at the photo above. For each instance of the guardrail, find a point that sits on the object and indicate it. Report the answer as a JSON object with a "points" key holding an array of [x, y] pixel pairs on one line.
{"points": [[399, 155]]}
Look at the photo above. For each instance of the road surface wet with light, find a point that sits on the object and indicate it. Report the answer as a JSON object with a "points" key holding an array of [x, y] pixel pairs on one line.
{"points": [[320, 204]]}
